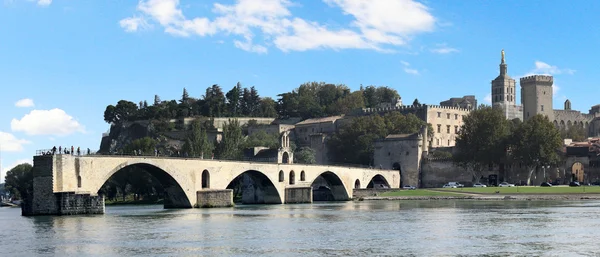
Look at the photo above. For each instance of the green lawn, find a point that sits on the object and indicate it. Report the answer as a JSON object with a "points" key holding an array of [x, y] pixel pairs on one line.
{"points": [[419, 192], [525, 190]]}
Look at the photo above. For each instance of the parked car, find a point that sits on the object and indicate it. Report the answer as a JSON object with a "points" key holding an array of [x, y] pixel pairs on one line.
{"points": [[479, 185], [574, 184], [409, 187], [456, 184], [449, 186], [546, 184], [506, 184]]}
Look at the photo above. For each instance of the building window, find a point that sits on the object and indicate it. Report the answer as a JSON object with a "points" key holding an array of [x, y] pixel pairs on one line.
{"points": [[439, 129], [542, 107], [456, 116], [437, 141], [455, 129], [448, 129], [447, 115], [448, 142], [439, 114]]}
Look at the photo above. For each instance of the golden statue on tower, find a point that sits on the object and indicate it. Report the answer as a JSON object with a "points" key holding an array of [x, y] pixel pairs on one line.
{"points": [[502, 55]]}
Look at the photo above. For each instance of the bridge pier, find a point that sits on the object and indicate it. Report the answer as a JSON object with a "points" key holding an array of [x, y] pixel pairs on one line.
{"points": [[212, 198], [298, 195]]}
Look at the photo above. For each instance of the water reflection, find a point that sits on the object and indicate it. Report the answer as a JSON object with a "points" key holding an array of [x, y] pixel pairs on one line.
{"points": [[417, 228]]}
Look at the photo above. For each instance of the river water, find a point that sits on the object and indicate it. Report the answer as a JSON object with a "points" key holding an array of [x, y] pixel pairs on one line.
{"points": [[368, 228]]}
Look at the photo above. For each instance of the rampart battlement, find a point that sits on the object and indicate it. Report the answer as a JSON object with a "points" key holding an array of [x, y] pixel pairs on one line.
{"points": [[367, 111], [537, 79]]}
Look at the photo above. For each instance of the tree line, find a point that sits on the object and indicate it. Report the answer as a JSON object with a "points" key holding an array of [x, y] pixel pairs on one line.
{"points": [[309, 100], [487, 138]]}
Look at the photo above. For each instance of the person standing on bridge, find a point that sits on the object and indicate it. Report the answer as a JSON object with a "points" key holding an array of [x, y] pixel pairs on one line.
{"points": [[155, 152], [88, 151], [53, 150], [59, 149], [78, 151], [72, 150]]}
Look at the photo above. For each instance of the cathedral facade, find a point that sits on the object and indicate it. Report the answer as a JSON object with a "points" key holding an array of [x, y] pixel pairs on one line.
{"points": [[536, 98]]}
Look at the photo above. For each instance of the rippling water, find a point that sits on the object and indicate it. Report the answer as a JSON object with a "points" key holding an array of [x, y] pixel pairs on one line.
{"points": [[376, 228]]}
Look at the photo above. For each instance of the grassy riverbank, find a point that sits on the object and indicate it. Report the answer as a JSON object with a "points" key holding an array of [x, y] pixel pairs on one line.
{"points": [[524, 190], [419, 192]]}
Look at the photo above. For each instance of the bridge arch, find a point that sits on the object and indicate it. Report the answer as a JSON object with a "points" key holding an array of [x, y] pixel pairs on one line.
{"points": [[327, 186], [175, 194], [254, 187], [378, 181], [357, 184]]}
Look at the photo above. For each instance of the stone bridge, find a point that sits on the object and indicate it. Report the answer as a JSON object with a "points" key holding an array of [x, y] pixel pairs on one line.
{"points": [[66, 184]]}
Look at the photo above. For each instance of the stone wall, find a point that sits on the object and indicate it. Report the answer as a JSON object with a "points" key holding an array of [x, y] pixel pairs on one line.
{"points": [[437, 173], [298, 195], [215, 198]]}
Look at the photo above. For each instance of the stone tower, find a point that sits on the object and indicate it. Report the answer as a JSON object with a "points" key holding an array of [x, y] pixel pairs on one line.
{"points": [[504, 92], [536, 95], [567, 105]]}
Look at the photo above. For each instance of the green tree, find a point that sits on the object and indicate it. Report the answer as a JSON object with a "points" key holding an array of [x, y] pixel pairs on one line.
{"points": [[262, 138], [19, 181], [196, 143], [481, 141], [214, 102], [230, 146], [185, 96], [536, 142], [234, 100], [305, 155], [110, 115], [156, 100], [353, 142], [575, 132], [267, 107], [254, 103], [145, 144], [344, 105]]}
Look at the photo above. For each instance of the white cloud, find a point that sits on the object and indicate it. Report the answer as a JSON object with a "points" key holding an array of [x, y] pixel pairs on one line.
{"points": [[9, 143], [25, 102], [47, 122], [376, 24], [542, 68], [44, 2], [443, 49], [488, 98], [409, 70], [133, 24]]}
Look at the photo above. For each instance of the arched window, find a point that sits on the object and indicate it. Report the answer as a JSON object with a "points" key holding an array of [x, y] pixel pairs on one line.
{"points": [[292, 177], [205, 179], [281, 176], [79, 181], [302, 176], [357, 184]]}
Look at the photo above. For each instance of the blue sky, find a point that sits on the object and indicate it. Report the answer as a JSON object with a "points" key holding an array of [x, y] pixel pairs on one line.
{"points": [[63, 61]]}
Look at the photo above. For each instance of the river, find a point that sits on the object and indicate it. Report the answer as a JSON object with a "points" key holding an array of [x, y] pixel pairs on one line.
{"points": [[368, 228]]}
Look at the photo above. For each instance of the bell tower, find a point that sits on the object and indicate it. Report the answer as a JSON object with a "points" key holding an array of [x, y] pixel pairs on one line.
{"points": [[503, 89]]}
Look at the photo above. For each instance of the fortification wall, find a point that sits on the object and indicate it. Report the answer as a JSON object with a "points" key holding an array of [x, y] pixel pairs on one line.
{"points": [[436, 173]]}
